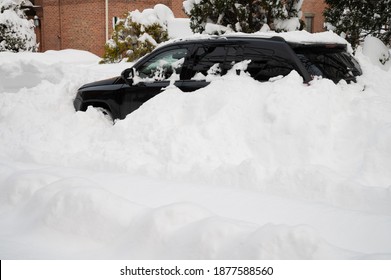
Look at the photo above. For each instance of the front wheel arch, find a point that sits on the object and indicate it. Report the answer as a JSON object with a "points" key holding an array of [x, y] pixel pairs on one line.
{"points": [[102, 107]]}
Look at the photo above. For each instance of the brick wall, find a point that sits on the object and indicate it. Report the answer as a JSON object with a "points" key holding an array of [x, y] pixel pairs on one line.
{"points": [[177, 8], [49, 16], [81, 24], [314, 8]]}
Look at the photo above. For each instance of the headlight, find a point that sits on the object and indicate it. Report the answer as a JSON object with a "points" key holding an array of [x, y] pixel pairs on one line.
{"points": [[77, 102]]}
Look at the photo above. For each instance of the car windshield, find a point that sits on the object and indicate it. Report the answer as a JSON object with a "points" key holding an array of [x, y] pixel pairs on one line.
{"points": [[334, 64]]}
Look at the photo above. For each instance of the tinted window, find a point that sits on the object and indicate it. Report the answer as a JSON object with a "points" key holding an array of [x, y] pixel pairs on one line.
{"points": [[207, 57], [163, 65], [334, 65], [265, 63]]}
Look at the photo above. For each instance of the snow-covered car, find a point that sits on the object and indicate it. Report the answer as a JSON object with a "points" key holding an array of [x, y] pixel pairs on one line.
{"points": [[187, 63]]}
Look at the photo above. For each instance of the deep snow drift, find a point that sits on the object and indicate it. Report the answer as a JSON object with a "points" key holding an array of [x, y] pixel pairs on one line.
{"points": [[239, 169]]}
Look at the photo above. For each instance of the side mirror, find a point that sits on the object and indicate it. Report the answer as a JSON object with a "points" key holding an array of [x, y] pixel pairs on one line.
{"points": [[128, 75]]}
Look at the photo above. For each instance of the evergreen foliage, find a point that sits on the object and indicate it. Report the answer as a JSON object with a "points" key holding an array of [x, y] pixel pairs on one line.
{"points": [[16, 31], [133, 40], [240, 15], [359, 18]]}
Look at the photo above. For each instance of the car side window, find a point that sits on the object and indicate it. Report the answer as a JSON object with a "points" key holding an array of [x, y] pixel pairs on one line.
{"points": [[206, 57], [266, 63], [332, 65], [162, 66], [215, 56]]}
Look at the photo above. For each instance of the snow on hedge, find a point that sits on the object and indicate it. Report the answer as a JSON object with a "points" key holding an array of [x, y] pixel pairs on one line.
{"points": [[160, 14], [219, 17], [16, 31]]}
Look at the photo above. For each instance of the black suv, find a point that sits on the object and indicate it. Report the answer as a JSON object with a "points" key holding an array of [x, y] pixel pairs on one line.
{"points": [[183, 62]]}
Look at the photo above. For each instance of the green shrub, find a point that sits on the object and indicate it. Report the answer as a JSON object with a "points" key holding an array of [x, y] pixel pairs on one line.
{"points": [[131, 40], [356, 19], [246, 16]]}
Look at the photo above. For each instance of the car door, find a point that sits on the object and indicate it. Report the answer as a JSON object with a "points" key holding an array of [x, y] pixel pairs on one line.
{"points": [[152, 76], [210, 59]]}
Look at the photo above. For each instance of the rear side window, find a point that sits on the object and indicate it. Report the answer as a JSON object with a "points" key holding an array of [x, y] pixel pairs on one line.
{"points": [[334, 65], [266, 63], [207, 57]]}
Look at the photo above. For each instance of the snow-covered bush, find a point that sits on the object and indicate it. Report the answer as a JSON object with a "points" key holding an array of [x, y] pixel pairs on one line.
{"points": [[355, 19], [138, 34], [16, 31], [243, 15]]}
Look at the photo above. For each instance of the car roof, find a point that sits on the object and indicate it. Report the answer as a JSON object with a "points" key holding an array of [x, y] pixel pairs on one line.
{"points": [[295, 39]]}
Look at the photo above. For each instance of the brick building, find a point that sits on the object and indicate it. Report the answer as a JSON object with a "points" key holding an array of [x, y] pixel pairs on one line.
{"points": [[86, 24], [313, 15]]}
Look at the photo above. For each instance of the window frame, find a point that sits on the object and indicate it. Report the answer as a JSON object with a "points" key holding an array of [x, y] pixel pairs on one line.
{"points": [[309, 17], [158, 53], [224, 64], [272, 55]]}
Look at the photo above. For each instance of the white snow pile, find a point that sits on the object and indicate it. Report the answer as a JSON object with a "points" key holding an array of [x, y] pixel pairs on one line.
{"points": [[377, 52], [160, 14], [236, 170]]}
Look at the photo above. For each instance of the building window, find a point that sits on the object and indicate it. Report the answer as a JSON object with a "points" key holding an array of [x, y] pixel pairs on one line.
{"points": [[309, 22]]}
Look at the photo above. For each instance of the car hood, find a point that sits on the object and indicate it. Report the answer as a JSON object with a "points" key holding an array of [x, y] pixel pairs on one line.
{"points": [[110, 81]]}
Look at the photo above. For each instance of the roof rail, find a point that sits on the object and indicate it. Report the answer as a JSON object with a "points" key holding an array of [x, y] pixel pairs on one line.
{"points": [[278, 38]]}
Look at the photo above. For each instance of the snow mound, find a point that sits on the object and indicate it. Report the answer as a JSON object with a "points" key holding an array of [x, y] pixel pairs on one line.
{"points": [[238, 169], [78, 209], [283, 137], [28, 70], [377, 52], [160, 14]]}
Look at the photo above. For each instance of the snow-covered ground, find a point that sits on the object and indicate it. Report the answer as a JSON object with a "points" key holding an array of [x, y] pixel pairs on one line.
{"points": [[237, 170]]}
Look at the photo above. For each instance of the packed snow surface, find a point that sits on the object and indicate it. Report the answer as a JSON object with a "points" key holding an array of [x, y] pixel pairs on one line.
{"points": [[236, 170]]}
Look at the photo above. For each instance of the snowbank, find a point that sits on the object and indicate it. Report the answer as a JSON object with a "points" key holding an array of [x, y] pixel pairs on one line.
{"points": [[377, 52], [239, 169]]}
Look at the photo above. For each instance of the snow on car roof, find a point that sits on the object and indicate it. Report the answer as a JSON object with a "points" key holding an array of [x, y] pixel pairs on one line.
{"points": [[305, 37], [299, 37]]}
